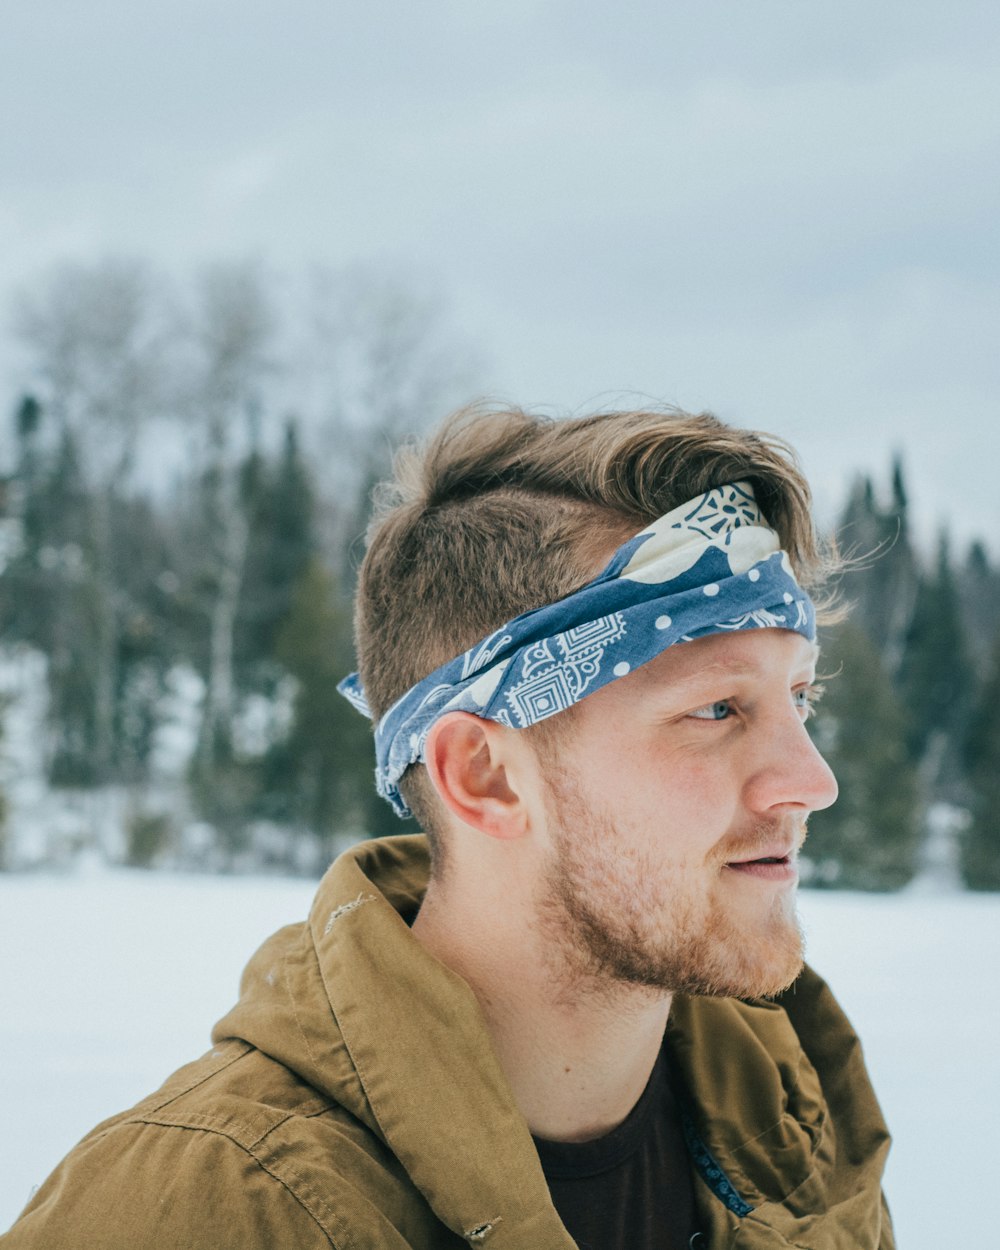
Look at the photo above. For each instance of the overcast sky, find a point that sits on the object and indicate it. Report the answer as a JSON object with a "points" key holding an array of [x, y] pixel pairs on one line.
{"points": [[781, 210]]}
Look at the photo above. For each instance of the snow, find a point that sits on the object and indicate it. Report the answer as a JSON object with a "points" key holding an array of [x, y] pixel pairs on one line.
{"points": [[112, 979]]}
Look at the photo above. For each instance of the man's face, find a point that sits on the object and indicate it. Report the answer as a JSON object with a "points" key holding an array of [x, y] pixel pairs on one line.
{"points": [[676, 800]]}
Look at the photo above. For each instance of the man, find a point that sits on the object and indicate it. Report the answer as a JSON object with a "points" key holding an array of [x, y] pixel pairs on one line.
{"points": [[575, 1013]]}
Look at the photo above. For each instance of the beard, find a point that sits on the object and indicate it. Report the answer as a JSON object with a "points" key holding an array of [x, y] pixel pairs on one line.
{"points": [[618, 916]]}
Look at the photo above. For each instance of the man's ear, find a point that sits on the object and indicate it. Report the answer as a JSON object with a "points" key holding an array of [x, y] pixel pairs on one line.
{"points": [[469, 761]]}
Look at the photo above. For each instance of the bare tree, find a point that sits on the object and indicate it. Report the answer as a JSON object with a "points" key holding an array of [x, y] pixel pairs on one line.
{"points": [[378, 363], [230, 339], [96, 338]]}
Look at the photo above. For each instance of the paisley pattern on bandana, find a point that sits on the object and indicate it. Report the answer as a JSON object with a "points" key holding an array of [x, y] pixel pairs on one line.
{"points": [[711, 566]]}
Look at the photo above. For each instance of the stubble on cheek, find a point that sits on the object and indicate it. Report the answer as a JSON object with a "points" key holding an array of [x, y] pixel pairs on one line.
{"points": [[623, 918]]}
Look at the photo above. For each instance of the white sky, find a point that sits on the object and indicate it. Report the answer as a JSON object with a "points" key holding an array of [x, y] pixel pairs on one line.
{"points": [[781, 210]]}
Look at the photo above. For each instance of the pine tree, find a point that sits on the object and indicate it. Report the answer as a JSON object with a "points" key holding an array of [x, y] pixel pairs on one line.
{"points": [[980, 843], [281, 505], [883, 583], [4, 831], [900, 496], [146, 643], [55, 601], [96, 338], [232, 784], [870, 838], [52, 604], [979, 592], [321, 777], [936, 677]]}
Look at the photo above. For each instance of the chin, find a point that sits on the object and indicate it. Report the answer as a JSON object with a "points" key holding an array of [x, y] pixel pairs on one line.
{"points": [[727, 972], [755, 957], [718, 958], [765, 981], [741, 964]]}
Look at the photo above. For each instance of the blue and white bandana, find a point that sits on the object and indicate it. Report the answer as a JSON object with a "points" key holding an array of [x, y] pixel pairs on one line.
{"points": [[710, 566]]}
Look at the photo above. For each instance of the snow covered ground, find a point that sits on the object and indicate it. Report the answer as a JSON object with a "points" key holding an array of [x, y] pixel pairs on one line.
{"points": [[111, 980]]}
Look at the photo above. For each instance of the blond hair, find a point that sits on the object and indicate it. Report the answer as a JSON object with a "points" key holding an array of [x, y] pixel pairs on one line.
{"points": [[503, 511]]}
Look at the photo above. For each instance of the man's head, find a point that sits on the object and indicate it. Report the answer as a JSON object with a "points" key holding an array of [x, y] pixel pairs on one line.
{"points": [[503, 512]]}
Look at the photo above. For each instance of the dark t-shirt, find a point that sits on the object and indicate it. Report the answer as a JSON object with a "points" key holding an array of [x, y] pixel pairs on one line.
{"points": [[631, 1189]]}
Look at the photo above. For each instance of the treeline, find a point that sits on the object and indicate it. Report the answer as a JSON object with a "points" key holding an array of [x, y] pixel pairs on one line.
{"points": [[180, 521], [910, 718], [179, 529]]}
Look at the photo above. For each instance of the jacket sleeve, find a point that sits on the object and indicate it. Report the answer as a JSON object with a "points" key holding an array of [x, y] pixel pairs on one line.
{"points": [[144, 1185]]}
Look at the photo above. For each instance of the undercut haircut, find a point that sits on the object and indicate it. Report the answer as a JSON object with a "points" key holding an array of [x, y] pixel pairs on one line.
{"points": [[503, 511]]}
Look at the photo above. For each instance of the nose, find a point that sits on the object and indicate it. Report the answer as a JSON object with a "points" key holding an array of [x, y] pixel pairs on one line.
{"points": [[790, 774]]}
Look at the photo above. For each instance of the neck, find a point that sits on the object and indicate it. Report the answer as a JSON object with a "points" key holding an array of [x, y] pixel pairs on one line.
{"points": [[577, 1053]]}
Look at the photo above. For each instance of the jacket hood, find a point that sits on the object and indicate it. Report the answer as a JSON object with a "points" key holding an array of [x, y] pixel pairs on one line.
{"points": [[781, 1121]]}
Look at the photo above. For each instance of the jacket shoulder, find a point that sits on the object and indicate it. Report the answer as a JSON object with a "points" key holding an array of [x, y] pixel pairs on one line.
{"points": [[137, 1184], [234, 1152]]}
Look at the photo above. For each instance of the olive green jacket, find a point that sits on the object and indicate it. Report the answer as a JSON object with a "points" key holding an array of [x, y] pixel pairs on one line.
{"points": [[352, 1099]]}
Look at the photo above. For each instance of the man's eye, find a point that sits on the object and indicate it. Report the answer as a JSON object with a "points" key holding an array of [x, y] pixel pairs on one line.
{"points": [[720, 710], [806, 698]]}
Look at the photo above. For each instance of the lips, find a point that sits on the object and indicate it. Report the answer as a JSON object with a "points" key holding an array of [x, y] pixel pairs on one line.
{"points": [[768, 855], [775, 864]]}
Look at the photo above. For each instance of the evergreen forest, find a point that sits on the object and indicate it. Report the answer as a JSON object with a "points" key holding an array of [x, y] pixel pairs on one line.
{"points": [[182, 512]]}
